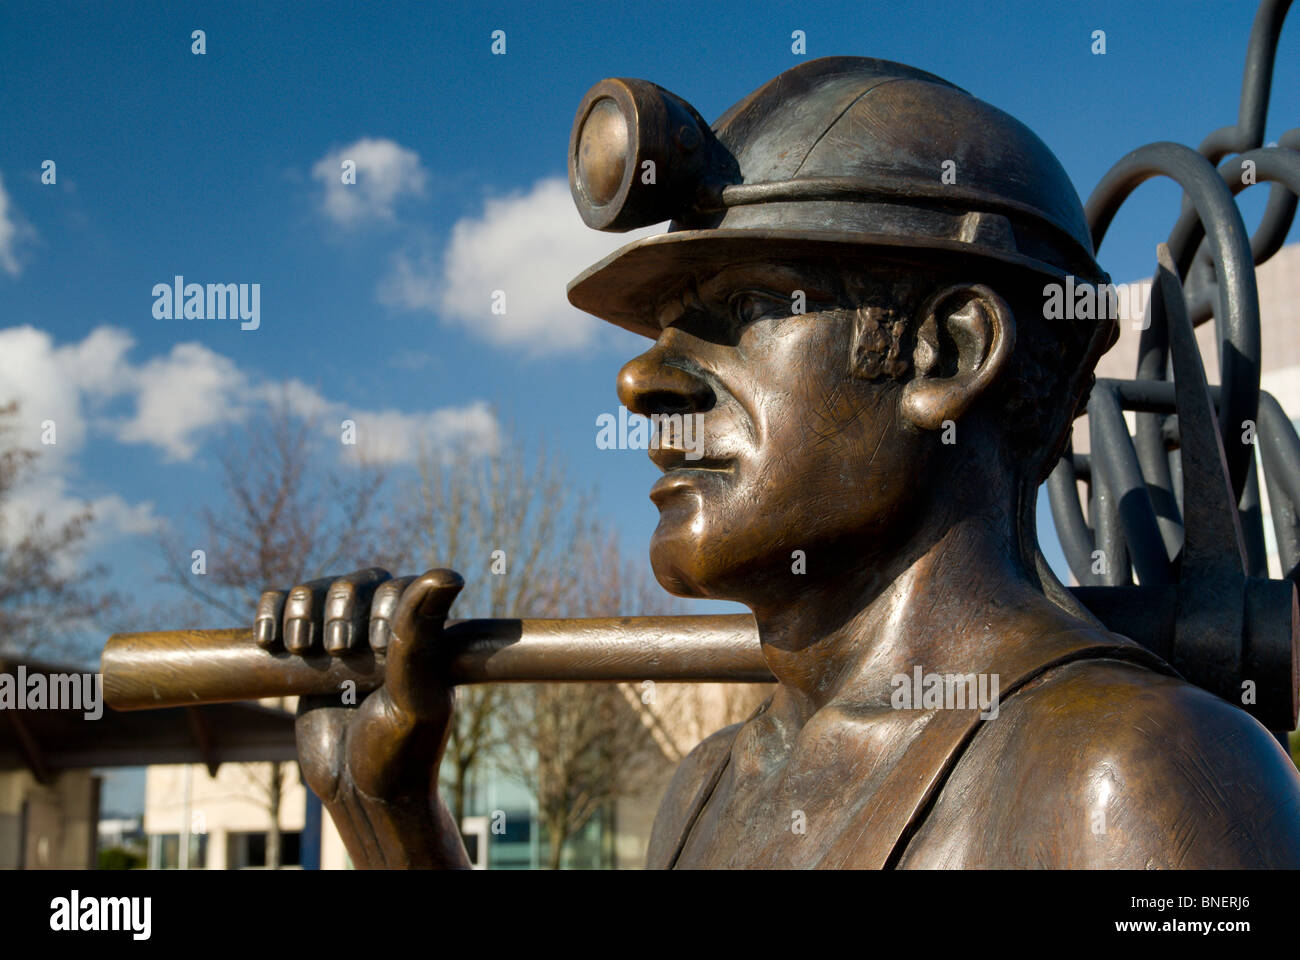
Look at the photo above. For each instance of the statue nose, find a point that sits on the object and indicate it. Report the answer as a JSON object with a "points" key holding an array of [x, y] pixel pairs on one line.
{"points": [[649, 385]]}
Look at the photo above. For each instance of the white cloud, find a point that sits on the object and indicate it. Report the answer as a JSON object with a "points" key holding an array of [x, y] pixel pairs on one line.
{"points": [[176, 400], [98, 364], [129, 518], [46, 494], [175, 397], [63, 385], [413, 283], [300, 399], [60, 384], [12, 230], [385, 172], [528, 245], [180, 395], [390, 436]]}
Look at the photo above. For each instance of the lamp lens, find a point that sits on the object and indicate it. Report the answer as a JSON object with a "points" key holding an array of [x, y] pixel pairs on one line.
{"points": [[603, 151]]}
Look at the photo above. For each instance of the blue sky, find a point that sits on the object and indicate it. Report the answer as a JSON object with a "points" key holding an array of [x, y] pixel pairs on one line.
{"points": [[374, 303]]}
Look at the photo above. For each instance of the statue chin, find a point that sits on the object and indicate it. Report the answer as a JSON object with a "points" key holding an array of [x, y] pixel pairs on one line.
{"points": [[688, 564], [672, 560]]}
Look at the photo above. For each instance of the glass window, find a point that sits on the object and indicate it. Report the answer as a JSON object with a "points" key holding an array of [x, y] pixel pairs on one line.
{"points": [[248, 850], [165, 848]]}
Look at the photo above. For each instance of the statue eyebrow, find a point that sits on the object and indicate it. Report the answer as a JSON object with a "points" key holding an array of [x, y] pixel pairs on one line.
{"points": [[723, 287], [779, 283]]}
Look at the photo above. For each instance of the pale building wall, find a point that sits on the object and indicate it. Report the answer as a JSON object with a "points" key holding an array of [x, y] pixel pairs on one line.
{"points": [[680, 715], [333, 855], [62, 820], [235, 801]]}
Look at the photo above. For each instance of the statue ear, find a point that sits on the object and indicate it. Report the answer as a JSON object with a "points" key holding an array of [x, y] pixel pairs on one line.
{"points": [[963, 344]]}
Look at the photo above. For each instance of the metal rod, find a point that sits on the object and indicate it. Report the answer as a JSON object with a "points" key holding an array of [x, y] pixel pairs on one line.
{"points": [[189, 667], [146, 671], [1218, 220], [1256, 85], [1123, 478], [1076, 539]]}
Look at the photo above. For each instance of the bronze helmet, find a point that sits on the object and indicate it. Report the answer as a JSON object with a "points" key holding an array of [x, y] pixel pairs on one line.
{"points": [[836, 153]]}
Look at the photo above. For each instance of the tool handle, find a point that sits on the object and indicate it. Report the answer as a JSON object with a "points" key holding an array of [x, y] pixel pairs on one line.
{"points": [[172, 668]]}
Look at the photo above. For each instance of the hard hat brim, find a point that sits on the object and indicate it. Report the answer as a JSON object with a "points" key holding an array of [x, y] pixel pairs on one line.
{"points": [[627, 287]]}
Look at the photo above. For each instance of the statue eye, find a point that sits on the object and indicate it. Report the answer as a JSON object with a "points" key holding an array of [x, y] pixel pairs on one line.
{"points": [[751, 305]]}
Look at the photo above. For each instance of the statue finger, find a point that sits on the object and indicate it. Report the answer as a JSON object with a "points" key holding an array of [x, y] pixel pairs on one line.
{"points": [[266, 622], [382, 609], [302, 615], [347, 606]]}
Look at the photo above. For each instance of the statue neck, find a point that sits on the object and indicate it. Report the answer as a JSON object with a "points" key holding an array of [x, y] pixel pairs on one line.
{"points": [[936, 606]]}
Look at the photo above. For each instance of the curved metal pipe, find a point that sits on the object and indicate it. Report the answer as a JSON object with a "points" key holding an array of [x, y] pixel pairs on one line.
{"points": [[1076, 539], [1122, 476], [1256, 85], [1238, 297], [1277, 165], [1279, 452]]}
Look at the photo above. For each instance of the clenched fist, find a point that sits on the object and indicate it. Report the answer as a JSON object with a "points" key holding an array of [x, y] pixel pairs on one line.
{"points": [[375, 764]]}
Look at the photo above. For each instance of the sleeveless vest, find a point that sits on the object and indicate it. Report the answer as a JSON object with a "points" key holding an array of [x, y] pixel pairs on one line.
{"points": [[878, 835]]}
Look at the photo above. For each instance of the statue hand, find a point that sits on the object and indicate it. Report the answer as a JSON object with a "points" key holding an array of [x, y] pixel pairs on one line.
{"points": [[375, 765]]}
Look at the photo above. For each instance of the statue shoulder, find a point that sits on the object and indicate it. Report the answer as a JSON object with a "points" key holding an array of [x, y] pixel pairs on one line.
{"points": [[679, 802], [1106, 763]]}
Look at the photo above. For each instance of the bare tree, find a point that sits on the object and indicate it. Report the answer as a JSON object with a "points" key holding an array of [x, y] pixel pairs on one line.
{"points": [[503, 519], [285, 519], [267, 781], [680, 715], [515, 525], [46, 597], [582, 746]]}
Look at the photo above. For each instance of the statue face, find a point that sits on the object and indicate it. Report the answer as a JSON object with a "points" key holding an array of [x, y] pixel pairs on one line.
{"points": [[797, 454]]}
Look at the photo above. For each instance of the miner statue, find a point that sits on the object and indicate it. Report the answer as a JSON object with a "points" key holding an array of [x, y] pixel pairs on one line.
{"points": [[850, 302]]}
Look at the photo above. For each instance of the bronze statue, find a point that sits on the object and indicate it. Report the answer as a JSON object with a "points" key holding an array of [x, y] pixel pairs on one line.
{"points": [[851, 298]]}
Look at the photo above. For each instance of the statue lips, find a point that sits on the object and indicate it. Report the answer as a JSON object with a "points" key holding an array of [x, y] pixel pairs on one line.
{"points": [[681, 474]]}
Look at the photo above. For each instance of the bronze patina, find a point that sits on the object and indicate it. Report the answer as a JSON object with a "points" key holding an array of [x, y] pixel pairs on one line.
{"points": [[851, 299]]}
